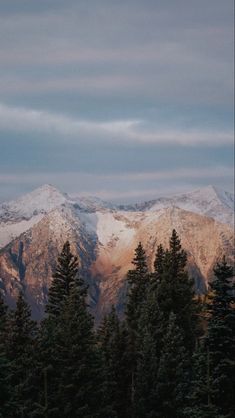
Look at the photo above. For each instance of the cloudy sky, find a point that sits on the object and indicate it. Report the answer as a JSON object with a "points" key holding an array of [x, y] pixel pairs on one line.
{"points": [[125, 100]]}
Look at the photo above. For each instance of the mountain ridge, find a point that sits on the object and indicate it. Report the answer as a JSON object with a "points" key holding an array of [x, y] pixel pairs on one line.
{"points": [[104, 238]]}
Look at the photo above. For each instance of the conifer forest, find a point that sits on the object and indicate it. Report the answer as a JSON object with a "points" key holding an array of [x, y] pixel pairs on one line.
{"points": [[171, 355]]}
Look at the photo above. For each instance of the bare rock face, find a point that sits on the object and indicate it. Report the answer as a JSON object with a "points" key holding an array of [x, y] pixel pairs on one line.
{"points": [[104, 238], [28, 262], [204, 239]]}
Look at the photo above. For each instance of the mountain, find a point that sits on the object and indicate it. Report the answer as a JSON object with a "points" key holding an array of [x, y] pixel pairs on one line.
{"points": [[209, 201], [34, 228]]}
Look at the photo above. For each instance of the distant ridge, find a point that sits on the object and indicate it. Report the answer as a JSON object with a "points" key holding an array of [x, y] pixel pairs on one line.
{"points": [[34, 227]]}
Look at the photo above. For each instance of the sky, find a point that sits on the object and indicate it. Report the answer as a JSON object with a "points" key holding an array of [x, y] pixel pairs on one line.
{"points": [[124, 100]]}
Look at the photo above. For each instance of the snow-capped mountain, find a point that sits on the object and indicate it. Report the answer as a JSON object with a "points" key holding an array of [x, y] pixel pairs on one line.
{"points": [[34, 227], [39, 201], [209, 201]]}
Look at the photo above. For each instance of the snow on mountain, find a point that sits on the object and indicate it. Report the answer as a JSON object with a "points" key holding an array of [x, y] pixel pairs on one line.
{"points": [[10, 230], [41, 200], [209, 201], [90, 203], [103, 236], [21, 214]]}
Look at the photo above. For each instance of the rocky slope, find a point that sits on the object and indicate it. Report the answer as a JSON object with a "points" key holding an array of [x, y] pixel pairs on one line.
{"points": [[34, 228]]}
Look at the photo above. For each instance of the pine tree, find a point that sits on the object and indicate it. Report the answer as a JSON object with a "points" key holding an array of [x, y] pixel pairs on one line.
{"points": [[3, 314], [213, 385], [113, 339], [19, 348], [47, 370], [63, 278], [158, 266], [145, 399], [71, 380], [6, 405], [149, 346], [199, 403], [173, 373], [221, 340], [138, 280], [178, 255], [175, 291], [80, 390]]}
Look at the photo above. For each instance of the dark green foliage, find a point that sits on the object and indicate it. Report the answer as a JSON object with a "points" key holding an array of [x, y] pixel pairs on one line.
{"points": [[213, 386], [144, 367], [158, 266], [20, 342], [178, 255], [47, 370], [48, 367], [71, 379], [149, 347], [3, 313], [80, 391], [169, 294], [3, 319], [221, 340], [175, 291], [63, 279], [6, 405], [138, 279], [173, 373], [199, 397], [145, 396], [113, 339], [159, 260]]}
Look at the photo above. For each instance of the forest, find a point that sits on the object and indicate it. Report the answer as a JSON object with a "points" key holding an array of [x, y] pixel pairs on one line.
{"points": [[171, 354]]}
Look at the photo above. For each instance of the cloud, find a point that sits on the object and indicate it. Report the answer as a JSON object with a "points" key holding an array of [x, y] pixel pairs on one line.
{"points": [[116, 87], [149, 50], [134, 131], [130, 178]]}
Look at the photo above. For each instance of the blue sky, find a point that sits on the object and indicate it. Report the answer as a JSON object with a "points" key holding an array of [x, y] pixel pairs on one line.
{"points": [[122, 100]]}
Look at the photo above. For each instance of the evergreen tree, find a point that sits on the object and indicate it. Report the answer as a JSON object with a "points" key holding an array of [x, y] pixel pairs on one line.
{"points": [[113, 339], [137, 281], [175, 291], [149, 348], [199, 396], [178, 255], [71, 379], [213, 386], [145, 396], [6, 405], [19, 348], [3, 315], [63, 278], [47, 371], [221, 340], [173, 373], [80, 391], [158, 266]]}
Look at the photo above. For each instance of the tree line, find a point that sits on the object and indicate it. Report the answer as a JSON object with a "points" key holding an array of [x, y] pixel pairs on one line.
{"points": [[172, 356]]}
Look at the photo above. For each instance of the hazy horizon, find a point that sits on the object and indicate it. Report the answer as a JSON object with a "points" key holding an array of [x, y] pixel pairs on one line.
{"points": [[117, 200]]}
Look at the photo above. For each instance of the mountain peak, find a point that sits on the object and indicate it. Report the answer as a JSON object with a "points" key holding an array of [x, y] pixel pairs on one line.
{"points": [[46, 188], [210, 193], [41, 200]]}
